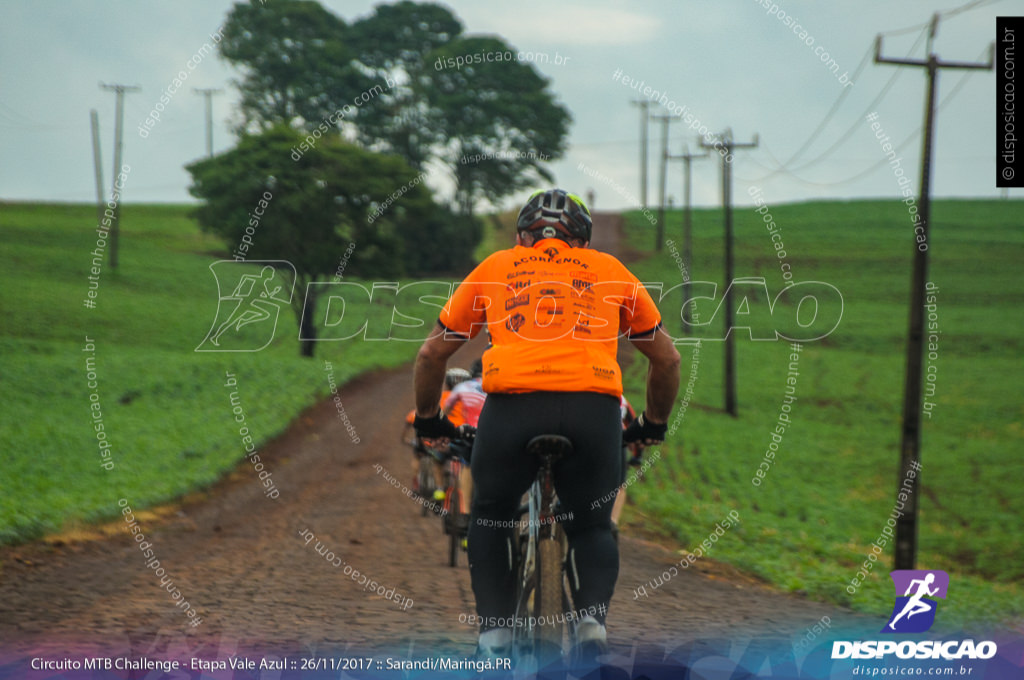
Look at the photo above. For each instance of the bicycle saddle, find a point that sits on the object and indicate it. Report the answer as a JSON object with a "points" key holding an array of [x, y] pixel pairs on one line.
{"points": [[551, 446]]}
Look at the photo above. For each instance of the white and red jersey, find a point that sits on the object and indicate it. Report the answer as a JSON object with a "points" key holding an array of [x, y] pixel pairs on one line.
{"points": [[464, 403]]}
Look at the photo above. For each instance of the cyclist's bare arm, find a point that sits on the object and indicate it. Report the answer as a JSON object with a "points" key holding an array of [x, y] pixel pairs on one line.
{"points": [[662, 375], [428, 374]]}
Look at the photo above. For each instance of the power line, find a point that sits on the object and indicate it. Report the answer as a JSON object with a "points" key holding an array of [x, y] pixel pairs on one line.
{"points": [[846, 135], [835, 107], [923, 27], [899, 147], [857, 122]]}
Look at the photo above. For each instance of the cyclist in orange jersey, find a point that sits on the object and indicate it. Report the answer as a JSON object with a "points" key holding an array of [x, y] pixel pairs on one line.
{"points": [[463, 407], [555, 310], [453, 376]]}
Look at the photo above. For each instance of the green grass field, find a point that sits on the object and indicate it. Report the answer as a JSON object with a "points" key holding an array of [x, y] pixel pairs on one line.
{"points": [[807, 528], [830, 488], [165, 410]]}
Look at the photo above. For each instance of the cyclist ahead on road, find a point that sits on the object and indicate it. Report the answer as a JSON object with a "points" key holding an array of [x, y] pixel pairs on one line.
{"points": [[462, 407], [464, 403], [554, 309]]}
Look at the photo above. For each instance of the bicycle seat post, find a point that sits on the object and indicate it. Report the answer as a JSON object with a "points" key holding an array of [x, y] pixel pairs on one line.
{"points": [[549, 448]]}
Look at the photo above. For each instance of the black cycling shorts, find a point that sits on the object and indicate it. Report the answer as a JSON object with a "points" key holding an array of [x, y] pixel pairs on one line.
{"points": [[503, 471]]}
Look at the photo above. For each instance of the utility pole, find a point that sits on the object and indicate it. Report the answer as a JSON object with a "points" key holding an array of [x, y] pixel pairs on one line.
{"points": [[644, 106], [665, 120], [686, 157], [97, 158], [725, 146], [910, 446], [115, 227], [208, 93]]}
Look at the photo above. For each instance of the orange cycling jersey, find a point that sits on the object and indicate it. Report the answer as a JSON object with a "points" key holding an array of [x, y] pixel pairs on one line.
{"points": [[554, 314]]}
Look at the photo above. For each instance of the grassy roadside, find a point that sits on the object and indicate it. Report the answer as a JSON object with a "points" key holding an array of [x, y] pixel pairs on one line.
{"points": [[166, 412], [828, 491]]}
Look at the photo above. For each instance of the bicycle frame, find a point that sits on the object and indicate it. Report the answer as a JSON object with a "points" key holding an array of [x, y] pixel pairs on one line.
{"points": [[542, 597]]}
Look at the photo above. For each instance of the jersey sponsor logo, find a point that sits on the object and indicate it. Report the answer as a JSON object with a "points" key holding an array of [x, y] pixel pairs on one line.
{"points": [[551, 252], [561, 260], [515, 322], [603, 373], [583, 281], [581, 285], [516, 285], [530, 258], [550, 292], [517, 301], [514, 275]]}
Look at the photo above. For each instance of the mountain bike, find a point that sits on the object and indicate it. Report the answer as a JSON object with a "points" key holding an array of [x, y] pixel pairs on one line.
{"points": [[542, 594], [456, 522], [427, 456]]}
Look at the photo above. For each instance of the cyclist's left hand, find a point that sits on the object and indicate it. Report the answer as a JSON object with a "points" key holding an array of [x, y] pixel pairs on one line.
{"points": [[645, 431]]}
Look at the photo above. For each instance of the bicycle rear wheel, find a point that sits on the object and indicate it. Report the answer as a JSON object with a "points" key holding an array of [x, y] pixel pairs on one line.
{"points": [[551, 559], [426, 484], [454, 543]]}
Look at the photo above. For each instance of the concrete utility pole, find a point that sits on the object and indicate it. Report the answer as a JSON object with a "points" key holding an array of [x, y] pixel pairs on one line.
{"points": [[686, 157], [97, 158], [662, 177], [724, 146], [644, 106], [910, 447], [208, 94], [115, 227]]}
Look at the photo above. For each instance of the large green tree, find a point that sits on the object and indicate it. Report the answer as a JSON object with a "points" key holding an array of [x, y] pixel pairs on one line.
{"points": [[499, 121], [394, 43], [296, 66], [301, 64], [320, 204]]}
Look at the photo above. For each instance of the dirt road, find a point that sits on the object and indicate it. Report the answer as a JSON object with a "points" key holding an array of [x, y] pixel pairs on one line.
{"points": [[251, 566]]}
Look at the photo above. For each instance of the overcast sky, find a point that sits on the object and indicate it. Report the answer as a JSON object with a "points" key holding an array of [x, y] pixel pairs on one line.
{"points": [[730, 63]]}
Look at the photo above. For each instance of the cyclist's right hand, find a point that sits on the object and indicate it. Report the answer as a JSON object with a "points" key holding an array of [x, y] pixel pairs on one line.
{"points": [[644, 431], [467, 433], [436, 427]]}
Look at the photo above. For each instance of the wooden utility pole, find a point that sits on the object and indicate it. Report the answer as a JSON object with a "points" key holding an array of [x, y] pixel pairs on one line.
{"points": [[686, 157], [910, 447], [208, 93], [662, 178], [724, 146], [97, 158], [644, 106], [115, 228]]}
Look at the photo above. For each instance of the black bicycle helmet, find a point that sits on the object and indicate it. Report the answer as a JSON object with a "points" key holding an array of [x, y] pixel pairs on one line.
{"points": [[556, 214]]}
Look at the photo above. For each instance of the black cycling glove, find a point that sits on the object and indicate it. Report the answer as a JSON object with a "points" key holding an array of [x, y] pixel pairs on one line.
{"points": [[641, 430], [435, 427]]}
